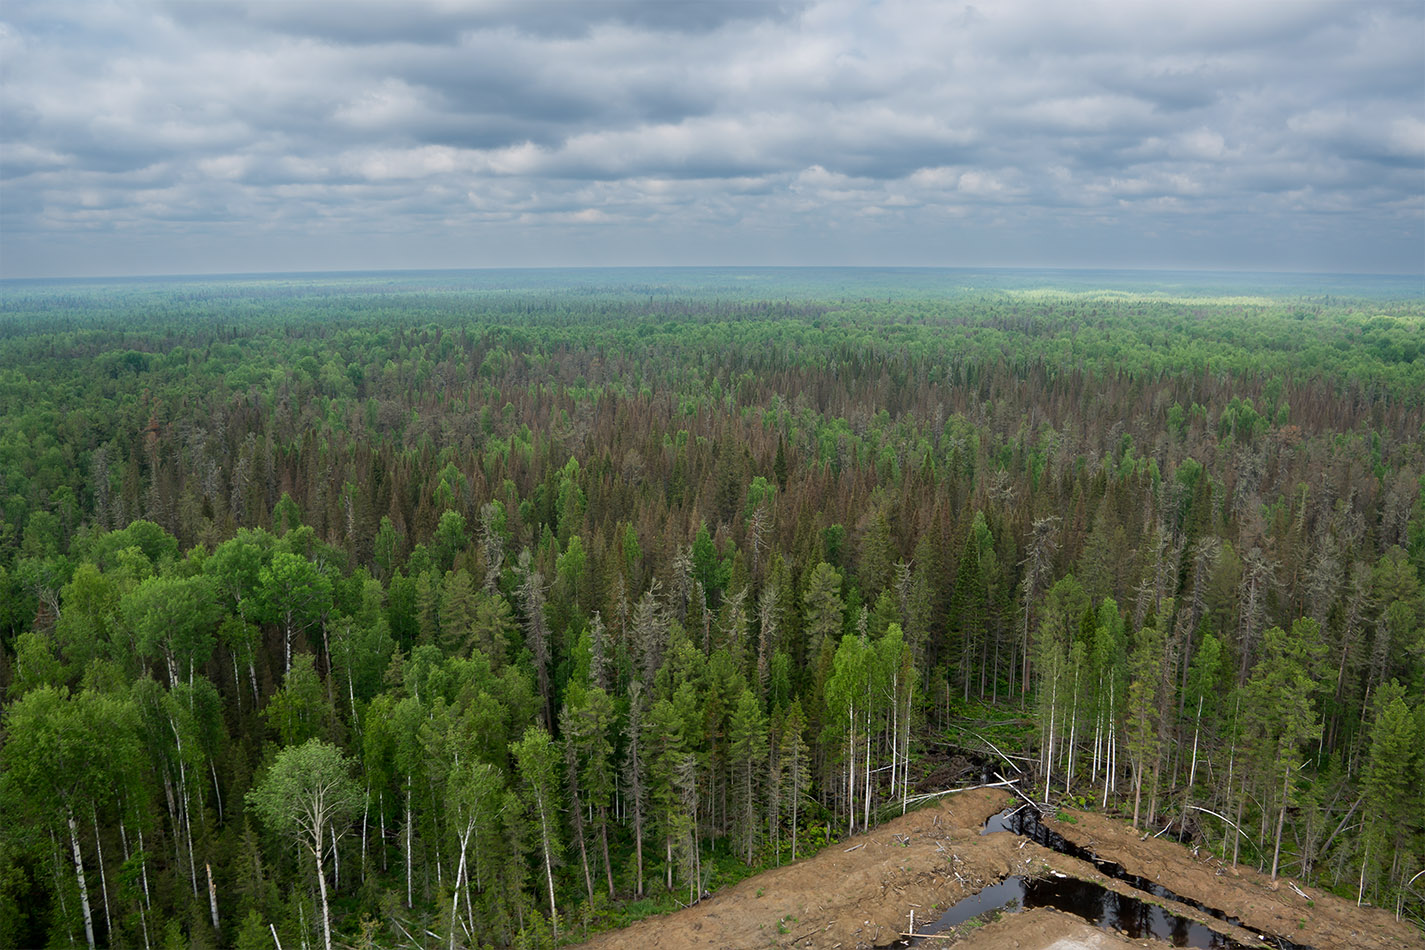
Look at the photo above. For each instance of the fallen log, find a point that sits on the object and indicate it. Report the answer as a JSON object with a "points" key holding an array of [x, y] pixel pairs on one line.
{"points": [[997, 752], [1027, 799], [1223, 817], [812, 931]]}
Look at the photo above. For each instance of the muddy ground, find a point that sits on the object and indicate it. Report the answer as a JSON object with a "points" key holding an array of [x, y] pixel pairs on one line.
{"points": [[1044, 928], [860, 893], [1319, 920]]}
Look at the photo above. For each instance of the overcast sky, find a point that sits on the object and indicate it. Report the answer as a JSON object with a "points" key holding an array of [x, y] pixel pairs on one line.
{"points": [[209, 137]]}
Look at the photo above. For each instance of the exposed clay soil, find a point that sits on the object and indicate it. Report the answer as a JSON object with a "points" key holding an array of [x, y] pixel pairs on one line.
{"points": [[859, 893], [842, 897], [1319, 920], [1044, 928]]}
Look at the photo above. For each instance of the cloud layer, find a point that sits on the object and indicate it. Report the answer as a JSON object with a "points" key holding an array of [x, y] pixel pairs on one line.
{"points": [[222, 136]]}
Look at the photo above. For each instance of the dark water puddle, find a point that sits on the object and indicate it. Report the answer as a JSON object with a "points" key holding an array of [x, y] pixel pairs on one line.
{"points": [[1024, 821], [1105, 909], [1006, 895], [1091, 901]]}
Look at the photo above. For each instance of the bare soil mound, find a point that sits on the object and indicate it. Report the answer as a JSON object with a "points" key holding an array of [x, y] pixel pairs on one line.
{"points": [[860, 893], [1319, 920], [1044, 928]]}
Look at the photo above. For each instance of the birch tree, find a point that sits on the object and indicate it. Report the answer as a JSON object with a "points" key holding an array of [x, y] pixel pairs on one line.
{"points": [[474, 792], [847, 700], [293, 594], [309, 796], [173, 620], [538, 762], [62, 755]]}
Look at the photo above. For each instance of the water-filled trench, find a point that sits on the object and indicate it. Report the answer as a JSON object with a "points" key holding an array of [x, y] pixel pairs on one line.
{"points": [[1094, 903]]}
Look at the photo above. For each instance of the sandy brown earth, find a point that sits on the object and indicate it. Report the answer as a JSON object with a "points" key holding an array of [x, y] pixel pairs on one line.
{"points": [[860, 893], [1319, 920], [1044, 928]]}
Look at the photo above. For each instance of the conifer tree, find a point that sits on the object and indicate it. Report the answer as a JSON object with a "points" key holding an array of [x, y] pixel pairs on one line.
{"points": [[635, 788], [1283, 713], [1145, 672], [748, 750], [824, 617], [1388, 782]]}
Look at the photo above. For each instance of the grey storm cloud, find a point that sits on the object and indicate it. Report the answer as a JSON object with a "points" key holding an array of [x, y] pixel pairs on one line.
{"points": [[210, 136]]}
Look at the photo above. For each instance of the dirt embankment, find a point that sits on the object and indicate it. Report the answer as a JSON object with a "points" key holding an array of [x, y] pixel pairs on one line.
{"points": [[1319, 920], [1044, 928], [860, 893]]}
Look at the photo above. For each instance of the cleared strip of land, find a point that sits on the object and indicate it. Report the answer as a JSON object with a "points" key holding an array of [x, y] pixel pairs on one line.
{"points": [[861, 893]]}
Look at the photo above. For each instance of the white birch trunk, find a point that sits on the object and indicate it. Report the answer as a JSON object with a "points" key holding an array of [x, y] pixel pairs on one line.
{"points": [[1073, 733], [866, 798], [895, 731], [459, 874], [851, 770], [365, 813], [548, 869], [408, 840], [905, 745], [1049, 749], [103, 881], [183, 802], [124, 840], [213, 898], [143, 871], [79, 876], [322, 886], [1192, 769], [188, 826], [217, 792]]}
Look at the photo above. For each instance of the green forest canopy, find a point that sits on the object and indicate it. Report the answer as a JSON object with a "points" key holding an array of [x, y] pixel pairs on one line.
{"points": [[590, 588]]}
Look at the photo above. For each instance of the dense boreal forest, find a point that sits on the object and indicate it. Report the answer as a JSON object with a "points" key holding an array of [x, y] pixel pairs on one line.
{"points": [[423, 610]]}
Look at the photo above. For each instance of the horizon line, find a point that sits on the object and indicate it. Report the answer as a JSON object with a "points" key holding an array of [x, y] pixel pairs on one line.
{"points": [[1020, 268]]}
